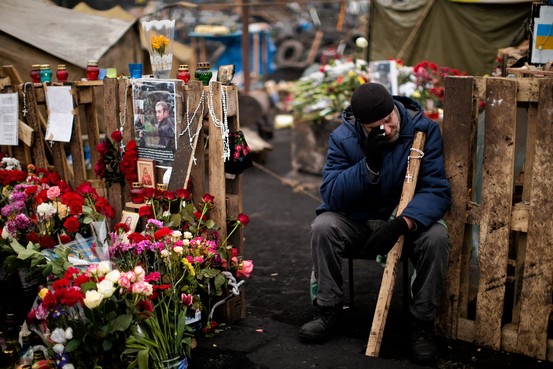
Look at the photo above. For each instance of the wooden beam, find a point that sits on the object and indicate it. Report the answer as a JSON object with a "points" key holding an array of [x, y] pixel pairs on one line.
{"points": [[393, 258]]}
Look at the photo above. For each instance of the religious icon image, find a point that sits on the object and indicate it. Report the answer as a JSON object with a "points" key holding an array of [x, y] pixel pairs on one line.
{"points": [[146, 172]]}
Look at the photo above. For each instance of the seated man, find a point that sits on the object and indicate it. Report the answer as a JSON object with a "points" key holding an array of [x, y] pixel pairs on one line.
{"points": [[361, 187]]}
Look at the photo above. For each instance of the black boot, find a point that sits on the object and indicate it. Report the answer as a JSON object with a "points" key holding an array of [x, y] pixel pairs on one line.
{"points": [[422, 342], [325, 323]]}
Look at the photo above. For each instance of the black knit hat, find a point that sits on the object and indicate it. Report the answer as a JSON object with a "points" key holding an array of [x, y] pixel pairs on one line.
{"points": [[371, 102]]}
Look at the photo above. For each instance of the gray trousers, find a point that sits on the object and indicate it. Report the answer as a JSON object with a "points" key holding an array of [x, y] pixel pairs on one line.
{"points": [[428, 250]]}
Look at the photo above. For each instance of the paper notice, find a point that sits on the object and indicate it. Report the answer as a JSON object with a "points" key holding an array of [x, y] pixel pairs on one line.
{"points": [[9, 120], [60, 113]]}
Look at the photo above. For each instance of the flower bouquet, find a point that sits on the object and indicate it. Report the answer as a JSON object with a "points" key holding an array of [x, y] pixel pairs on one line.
{"points": [[160, 35], [43, 218], [84, 318], [325, 93], [184, 260]]}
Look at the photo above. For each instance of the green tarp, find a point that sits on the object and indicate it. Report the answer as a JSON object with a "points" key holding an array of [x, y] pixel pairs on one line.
{"points": [[458, 35]]}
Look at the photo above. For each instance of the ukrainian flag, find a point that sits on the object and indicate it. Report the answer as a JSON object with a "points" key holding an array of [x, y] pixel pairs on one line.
{"points": [[544, 37]]}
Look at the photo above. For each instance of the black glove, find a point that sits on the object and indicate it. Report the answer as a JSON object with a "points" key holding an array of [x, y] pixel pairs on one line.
{"points": [[373, 148], [385, 237]]}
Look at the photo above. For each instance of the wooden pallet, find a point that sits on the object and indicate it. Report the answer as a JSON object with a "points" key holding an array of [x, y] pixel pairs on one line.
{"points": [[513, 301]]}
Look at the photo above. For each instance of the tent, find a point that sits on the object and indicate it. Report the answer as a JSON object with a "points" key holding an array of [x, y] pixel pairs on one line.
{"points": [[37, 32], [466, 36]]}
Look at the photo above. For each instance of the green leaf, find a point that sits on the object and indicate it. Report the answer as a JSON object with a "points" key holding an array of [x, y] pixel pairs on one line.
{"points": [[72, 345], [210, 223], [121, 323]]}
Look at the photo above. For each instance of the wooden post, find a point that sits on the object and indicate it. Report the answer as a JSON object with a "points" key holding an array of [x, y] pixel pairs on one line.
{"points": [[389, 276]]}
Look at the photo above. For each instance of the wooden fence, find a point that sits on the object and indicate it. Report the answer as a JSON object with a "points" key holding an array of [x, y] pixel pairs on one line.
{"points": [[501, 298], [101, 107]]}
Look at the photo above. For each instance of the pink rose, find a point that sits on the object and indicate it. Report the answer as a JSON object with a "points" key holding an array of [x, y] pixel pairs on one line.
{"points": [[142, 288], [245, 268]]}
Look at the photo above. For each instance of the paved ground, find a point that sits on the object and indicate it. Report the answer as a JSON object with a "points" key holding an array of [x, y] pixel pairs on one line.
{"points": [[277, 294]]}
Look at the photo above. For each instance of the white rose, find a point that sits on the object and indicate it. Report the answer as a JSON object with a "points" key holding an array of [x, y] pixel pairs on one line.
{"points": [[104, 267], [164, 253], [93, 299], [68, 366], [186, 242], [69, 333], [176, 234], [106, 288], [58, 335], [58, 348], [178, 250], [113, 276], [361, 42], [188, 235]]}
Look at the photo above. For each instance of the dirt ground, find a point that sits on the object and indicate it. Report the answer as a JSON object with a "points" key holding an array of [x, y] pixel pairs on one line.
{"points": [[278, 291]]}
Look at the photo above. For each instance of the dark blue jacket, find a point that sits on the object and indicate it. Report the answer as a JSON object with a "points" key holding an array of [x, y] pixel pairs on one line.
{"points": [[347, 187]]}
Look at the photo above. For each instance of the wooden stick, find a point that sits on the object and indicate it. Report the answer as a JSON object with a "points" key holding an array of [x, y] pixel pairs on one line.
{"points": [[390, 272]]}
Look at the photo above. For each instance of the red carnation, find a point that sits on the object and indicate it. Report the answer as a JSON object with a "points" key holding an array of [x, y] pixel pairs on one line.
{"points": [[71, 272], [135, 237], [121, 227], [104, 207], [64, 239], [81, 279], [72, 224], [60, 284], [162, 232]]}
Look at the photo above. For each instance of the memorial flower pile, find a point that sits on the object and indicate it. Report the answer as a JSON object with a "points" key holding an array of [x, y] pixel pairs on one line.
{"points": [[41, 216], [185, 262], [424, 82], [327, 92], [85, 317]]}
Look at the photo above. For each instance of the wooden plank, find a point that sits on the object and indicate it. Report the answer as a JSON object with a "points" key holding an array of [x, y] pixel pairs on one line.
{"points": [[77, 147], [193, 113], [126, 122], [522, 238], [26, 134], [537, 285], [497, 190], [216, 168], [88, 97], [38, 150], [457, 126], [394, 256], [111, 120], [465, 330], [233, 183]]}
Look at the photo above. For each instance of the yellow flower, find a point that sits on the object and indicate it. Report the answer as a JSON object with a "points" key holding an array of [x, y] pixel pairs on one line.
{"points": [[189, 266], [159, 43]]}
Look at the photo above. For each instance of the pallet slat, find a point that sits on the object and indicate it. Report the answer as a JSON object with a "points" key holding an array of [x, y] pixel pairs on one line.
{"points": [[497, 187], [537, 285]]}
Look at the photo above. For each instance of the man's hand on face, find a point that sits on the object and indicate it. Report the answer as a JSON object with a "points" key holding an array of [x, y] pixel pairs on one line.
{"points": [[375, 141]]}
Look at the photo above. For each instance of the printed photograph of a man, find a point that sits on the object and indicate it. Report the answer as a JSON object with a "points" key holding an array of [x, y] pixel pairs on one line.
{"points": [[155, 129]]}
